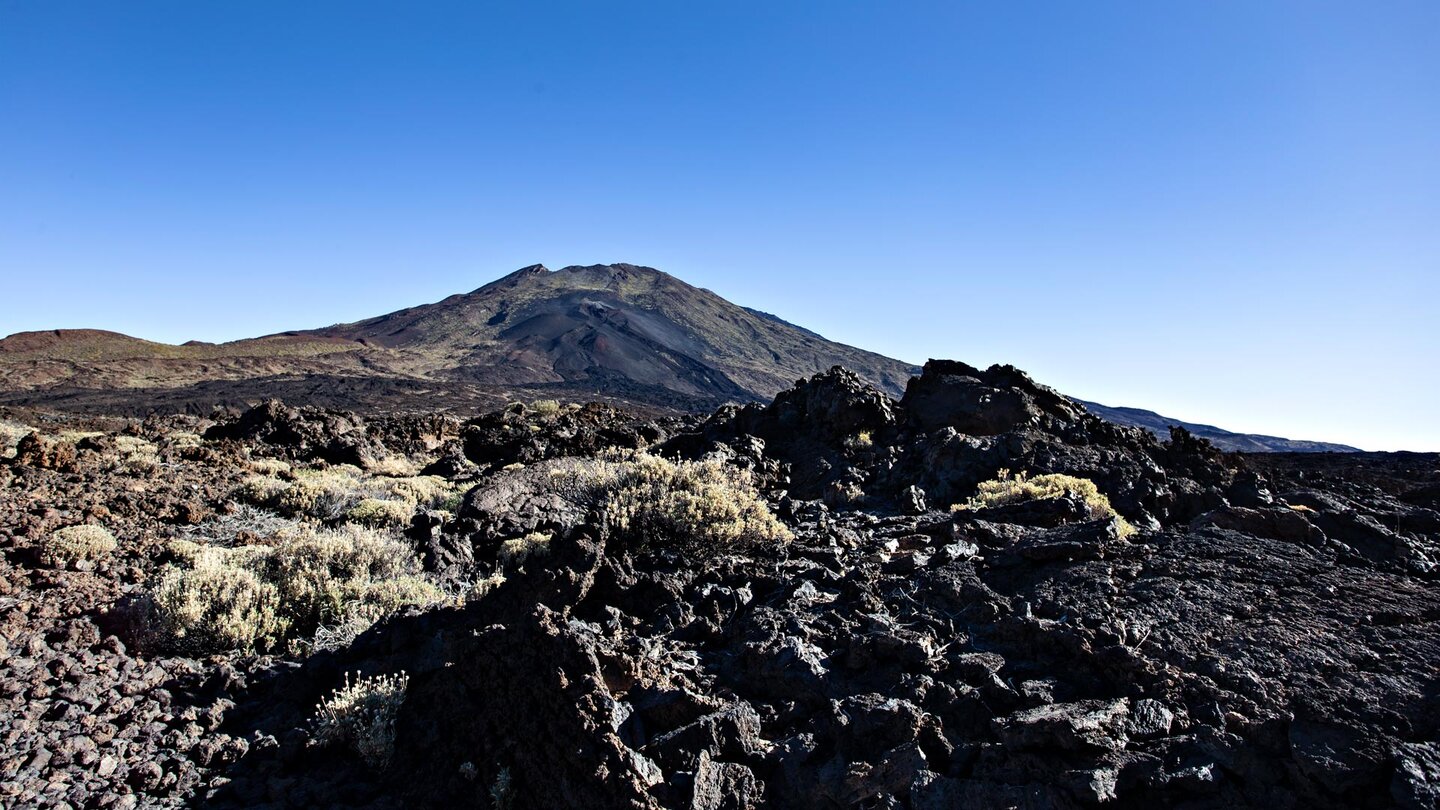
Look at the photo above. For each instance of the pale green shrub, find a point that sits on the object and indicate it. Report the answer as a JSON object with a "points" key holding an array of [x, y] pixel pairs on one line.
{"points": [[256, 596], [335, 493], [10, 435], [545, 407], [271, 467], [378, 512], [320, 573], [362, 715], [393, 466], [137, 454], [426, 491], [74, 543], [218, 605], [183, 439], [702, 507], [1007, 488], [326, 494], [517, 551]]}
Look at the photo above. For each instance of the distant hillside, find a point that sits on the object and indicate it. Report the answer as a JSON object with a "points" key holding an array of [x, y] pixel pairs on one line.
{"points": [[604, 325], [621, 332], [616, 332], [1224, 439]]}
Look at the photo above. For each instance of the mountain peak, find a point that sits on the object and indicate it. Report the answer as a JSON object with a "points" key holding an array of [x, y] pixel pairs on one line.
{"points": [[621, 328]]}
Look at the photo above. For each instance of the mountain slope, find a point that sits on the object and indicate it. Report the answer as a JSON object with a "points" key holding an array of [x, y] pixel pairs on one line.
{"points": [[619, 332], [601, 323], [1223, 439]]}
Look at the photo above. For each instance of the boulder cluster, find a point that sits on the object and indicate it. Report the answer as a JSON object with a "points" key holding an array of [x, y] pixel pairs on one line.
{"points": [[1234, 632]]}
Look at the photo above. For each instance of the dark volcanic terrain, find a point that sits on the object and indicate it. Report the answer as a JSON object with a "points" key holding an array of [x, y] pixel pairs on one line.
{"points": [[771, 605]]}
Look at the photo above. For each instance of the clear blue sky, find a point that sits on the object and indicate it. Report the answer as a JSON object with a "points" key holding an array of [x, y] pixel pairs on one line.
{"points": [[1226, 211]]}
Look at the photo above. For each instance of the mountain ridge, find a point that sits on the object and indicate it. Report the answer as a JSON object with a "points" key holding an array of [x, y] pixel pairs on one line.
{"points": [[621, 332], [1224, 439]]}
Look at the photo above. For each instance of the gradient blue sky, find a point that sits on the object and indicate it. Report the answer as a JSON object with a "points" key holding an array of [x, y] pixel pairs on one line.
{"points": [[1227, 212]]}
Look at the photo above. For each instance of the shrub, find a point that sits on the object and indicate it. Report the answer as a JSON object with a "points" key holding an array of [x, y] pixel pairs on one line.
{"points": [[864, 440], [269, 466], [1007, 488], [73, 543], [137, 454], [326, 494], [334, 493], [516, 552], [343, 633], [362, 715], [378, 512], [701, 507], [427, 491], [243, 525], [256, 596], [484, 587], [183, 438], [545, 407], [217, 605], [393, 466], [10, 435], [319, 574]]}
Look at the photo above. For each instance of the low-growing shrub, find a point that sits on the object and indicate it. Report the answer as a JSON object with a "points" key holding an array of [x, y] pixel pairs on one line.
{"points": [[362, 715], [325, 494], [242, 525], [184, 438], [269, 466], [380, 512], [392, 466], [137, 454], [484, 587], [517, 551], [320, 573], [215, 606], [74, 543], [427, 491], [1007, 488], [10, 435], [335, 493], [545, 407], [701, 507], [864, 440], [256, 596]]}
